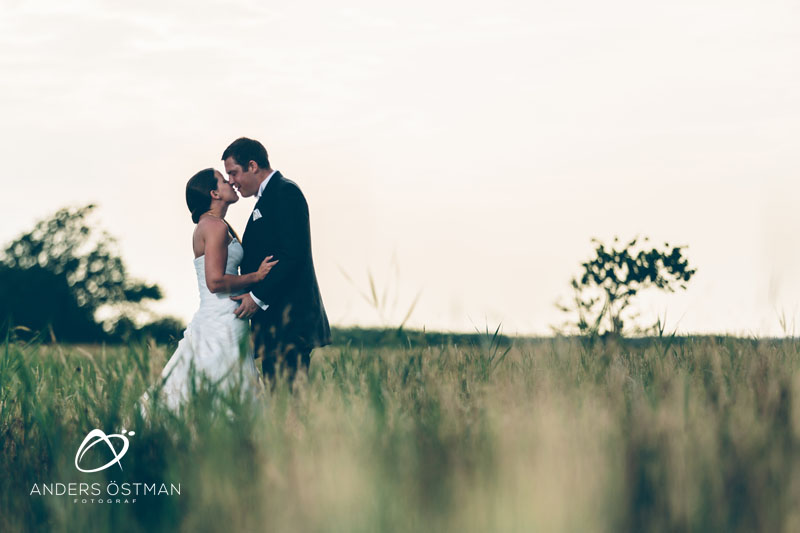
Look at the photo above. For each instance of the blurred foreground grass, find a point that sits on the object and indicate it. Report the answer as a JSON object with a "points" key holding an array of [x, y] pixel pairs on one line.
{"points": [[663, 435]]}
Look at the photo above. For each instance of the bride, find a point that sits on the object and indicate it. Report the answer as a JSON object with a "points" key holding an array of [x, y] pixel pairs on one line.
{"points": [[216, 343]]}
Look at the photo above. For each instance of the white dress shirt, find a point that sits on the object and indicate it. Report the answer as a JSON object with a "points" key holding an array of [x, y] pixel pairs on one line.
{"points": [[261, 304]]}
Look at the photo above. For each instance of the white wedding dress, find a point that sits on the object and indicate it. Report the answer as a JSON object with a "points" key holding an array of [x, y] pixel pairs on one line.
{"points": [[215, 346]]}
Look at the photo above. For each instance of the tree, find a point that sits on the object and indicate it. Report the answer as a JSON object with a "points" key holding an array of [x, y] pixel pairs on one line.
{"points": [[58, 275], [609, 281]]}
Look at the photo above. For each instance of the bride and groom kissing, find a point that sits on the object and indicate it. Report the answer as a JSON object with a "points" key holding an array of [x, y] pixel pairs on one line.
{"points": [[267, 277]]}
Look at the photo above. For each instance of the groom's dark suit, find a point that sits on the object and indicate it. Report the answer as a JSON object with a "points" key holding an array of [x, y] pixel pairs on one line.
{"points": [[295, 321]]}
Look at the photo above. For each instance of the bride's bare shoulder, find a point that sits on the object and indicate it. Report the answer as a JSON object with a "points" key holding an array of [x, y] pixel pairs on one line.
{"points": [[208, 231], [211, 227]]}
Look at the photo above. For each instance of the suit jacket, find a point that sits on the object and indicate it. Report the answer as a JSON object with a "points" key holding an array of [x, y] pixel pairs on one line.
{"points": [[295, 314]]}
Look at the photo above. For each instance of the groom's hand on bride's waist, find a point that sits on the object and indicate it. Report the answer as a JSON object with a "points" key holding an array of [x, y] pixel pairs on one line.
{"points": [[247, 307]]}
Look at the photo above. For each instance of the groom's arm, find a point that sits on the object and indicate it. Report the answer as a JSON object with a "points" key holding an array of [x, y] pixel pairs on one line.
{"points": [[294, 238]]}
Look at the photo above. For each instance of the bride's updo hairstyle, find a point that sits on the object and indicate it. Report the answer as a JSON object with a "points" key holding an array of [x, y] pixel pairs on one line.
{"points": [[198, 192]]}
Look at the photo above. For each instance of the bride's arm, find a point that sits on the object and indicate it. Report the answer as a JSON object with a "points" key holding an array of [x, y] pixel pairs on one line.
{"points": [[215, 237]]}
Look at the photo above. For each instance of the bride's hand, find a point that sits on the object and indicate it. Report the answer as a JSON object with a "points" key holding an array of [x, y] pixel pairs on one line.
{"points": [[265, 267]]}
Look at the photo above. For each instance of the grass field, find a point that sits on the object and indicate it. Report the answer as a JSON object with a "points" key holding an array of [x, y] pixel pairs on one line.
{"points": [[687, 434]]}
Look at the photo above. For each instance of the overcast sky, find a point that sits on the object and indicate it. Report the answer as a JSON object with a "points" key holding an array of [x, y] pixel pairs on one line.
{"points": [[467, 150]]}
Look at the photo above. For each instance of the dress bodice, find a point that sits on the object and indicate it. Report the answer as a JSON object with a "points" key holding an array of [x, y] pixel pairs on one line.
{"points": [[235, 254]]}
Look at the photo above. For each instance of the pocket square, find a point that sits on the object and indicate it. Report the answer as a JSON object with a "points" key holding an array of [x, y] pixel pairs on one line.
{"points": [[256, 214]]}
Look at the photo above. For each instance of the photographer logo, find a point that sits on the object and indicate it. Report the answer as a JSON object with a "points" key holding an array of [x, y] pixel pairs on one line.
{"points": [[124, 492], [96, 436]]}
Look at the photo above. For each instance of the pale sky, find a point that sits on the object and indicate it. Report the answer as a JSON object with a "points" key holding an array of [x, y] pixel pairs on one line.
{"points": [[477, 146]]}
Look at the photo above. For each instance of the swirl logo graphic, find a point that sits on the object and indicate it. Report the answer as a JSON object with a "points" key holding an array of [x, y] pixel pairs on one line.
{"points": [[98, 435]]}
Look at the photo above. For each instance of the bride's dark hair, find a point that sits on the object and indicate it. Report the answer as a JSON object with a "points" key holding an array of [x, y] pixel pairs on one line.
{"points": [[198, 192], [198, 195]]}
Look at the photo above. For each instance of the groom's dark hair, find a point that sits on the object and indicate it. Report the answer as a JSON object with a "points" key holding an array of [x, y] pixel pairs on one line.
{"points": [[244, 150]]}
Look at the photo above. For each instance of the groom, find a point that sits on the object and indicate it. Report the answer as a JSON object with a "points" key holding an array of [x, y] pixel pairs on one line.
{"points": [[287, 316]]}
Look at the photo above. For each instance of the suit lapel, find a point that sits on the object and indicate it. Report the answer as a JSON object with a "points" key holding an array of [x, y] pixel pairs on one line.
{"points": [[262, 203]]}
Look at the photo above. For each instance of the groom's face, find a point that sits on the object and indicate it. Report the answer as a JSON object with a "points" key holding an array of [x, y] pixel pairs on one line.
{"points": [[244, 179]]}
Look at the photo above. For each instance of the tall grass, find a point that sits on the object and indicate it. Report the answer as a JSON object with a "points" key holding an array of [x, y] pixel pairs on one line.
{"points": [[665, 435]]}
